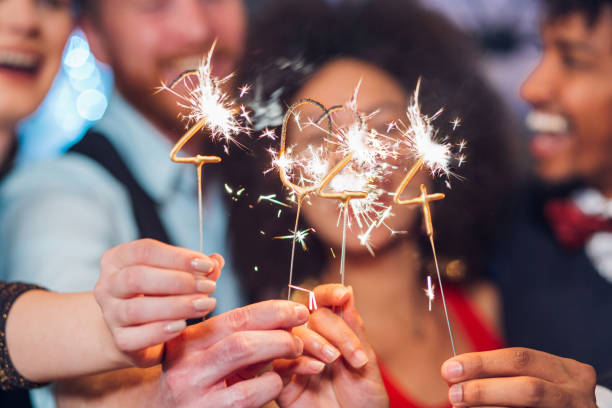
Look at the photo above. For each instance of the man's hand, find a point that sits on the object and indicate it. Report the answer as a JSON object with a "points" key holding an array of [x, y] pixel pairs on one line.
{"points": [[146, 291], [519, 377], [209, 364], [351, 378]]}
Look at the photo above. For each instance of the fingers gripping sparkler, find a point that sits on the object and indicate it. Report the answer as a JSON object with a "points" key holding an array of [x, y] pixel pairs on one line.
{"points": [[211, 109]]}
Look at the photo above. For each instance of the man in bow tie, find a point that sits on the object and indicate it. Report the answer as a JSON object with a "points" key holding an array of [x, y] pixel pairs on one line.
{"points": [[554, 267]]}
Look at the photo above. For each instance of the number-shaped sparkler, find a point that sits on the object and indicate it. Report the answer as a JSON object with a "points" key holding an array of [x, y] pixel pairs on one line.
{"points": [[423, 200], [300, 191], [210, 108], [199, 161]]}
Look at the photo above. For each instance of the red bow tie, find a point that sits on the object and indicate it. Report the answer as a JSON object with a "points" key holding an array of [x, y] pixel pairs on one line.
{"points": [[572, 227]]}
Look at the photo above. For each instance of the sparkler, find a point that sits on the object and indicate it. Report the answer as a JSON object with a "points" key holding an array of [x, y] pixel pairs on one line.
{"points": [[420, 139], [210, 108], [353, 179], [286, 164]]}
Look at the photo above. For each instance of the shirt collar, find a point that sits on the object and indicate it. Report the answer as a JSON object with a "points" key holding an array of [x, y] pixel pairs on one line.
{"points": [[9, 160], [145, 150], [592, 202]]}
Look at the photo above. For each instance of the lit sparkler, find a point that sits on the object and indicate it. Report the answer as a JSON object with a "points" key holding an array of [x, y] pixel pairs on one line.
{"points": [[211, 109], [354, 179], [420, 137], [288, 166]]}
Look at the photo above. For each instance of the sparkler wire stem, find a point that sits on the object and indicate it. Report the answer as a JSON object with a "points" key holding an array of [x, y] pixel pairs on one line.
{"points": [[343, 254], [450, 330], [295, 232], [201, 206]]}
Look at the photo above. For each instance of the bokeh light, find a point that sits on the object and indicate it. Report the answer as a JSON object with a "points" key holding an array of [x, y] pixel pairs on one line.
{"points": [[78, 97]]}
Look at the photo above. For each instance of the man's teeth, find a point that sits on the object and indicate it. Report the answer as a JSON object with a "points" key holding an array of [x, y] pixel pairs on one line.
{"points": [[19, 60], [543, 122], [187, 63]]}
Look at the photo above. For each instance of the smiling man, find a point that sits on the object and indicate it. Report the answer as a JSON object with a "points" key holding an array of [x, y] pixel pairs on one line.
{"points": [[118, 184], [555, 266]]}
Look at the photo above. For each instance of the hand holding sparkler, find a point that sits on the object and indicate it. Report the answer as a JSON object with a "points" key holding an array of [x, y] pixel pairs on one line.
{"points": [[353, 379]]}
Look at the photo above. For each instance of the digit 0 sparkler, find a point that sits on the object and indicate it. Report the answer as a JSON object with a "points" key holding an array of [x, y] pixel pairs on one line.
{"points": [[308, 183]]}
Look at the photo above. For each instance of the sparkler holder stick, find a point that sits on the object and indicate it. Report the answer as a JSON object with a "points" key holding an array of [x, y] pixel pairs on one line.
{"points": [[300, 191], [295, 232], [343, 253], [424, 199], [199, 161]]}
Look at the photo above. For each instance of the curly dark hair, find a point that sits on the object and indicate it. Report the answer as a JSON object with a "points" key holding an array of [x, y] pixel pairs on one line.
{"points": [[408, 42], [592, 9]]}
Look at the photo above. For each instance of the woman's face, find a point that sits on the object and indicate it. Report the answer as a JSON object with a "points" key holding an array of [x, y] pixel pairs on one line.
{"points": [[32, 38], [334, 84]]}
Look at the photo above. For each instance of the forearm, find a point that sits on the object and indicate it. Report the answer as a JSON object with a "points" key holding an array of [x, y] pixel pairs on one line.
{"points": [[133, 387], [54, 336]]}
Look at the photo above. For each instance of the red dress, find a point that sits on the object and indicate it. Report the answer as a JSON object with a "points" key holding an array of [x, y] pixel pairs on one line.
{"points": [[481, 336]]}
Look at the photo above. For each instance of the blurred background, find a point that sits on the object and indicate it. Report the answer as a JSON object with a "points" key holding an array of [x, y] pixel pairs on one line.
{"points": [[506, 31]]}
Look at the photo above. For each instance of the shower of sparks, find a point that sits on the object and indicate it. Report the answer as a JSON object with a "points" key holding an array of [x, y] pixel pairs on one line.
{"points": [[300, 237], [208, 105], [268, 134], [430, 291], [312, 301], [420, 138], [244, 90], [456, 123], [369, 151], [272, 198]]}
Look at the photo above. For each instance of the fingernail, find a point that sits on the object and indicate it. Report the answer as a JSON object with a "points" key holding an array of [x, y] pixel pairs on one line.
{"points": [[339, 293], [331, 353], [175, 326], [206, 285], [222, 260], [301, 312], [359, 358], [299, 344], [316, 365], [202, 265], [453, 370], [455, 394], [204, 303]]}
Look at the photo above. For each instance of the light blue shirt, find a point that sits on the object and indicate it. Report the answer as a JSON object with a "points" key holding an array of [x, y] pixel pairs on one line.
{"points": [[58, 217]]}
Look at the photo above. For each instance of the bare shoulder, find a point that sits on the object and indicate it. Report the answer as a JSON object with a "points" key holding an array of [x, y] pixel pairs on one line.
{"points": [[485, 298]]}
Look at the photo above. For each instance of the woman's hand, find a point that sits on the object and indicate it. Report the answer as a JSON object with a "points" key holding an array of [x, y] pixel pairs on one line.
{"points": [[339, 367], [146, 291]]}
